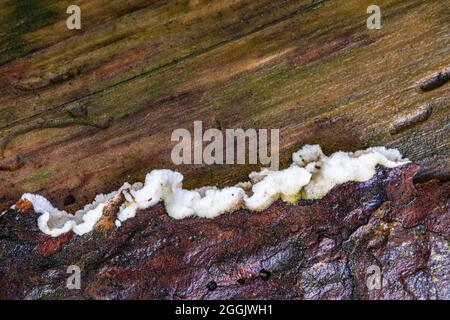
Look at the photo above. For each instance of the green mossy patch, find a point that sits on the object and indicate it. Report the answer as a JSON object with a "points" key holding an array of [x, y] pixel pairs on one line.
{"points": [[26, 16]]}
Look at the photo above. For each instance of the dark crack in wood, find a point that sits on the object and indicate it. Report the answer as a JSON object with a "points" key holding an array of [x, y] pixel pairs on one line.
{"points": [[435, 81]]}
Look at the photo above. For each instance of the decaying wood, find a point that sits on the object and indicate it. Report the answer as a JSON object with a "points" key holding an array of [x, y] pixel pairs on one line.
{"points": [[310, 68], [324, 249]]}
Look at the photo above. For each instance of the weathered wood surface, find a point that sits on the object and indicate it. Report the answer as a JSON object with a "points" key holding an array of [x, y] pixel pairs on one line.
{"points": [[144, 68], [309, 250]]}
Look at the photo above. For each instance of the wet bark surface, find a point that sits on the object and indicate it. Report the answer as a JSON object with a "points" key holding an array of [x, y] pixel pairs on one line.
{"points": [[324, 249]]}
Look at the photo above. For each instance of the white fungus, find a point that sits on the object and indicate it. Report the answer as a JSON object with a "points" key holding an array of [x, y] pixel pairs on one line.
{"points": [[342, 167], [311, 175], [56, 222], [285, 184], [166, 185]]}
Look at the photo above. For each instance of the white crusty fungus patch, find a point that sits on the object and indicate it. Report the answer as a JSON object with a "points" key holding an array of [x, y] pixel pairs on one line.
{"points": [[166, 185], [285, 184], [342, 167], [312, 175], [56, 222]]}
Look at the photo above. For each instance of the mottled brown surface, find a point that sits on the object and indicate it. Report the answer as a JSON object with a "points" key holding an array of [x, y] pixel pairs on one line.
{"points": [[310, 68], [309, 250], [83, 111]]}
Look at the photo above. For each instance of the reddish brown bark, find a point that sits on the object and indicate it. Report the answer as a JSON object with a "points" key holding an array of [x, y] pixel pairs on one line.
{"points": [[310, 250]]}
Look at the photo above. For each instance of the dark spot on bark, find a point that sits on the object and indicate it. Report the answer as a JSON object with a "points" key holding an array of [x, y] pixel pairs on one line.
{"points": [[265, 274], [211, 286], [69, 200], [145, 233]]}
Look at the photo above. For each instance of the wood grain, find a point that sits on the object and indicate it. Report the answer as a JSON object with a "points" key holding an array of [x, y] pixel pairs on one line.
{"points": [[309, 68]]}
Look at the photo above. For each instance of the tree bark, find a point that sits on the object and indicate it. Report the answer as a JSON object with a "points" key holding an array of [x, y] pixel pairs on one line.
{"points": [[324, 249]]}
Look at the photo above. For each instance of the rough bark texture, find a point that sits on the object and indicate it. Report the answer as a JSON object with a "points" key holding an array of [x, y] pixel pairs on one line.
{"points": [[310, 250], [83, 111]]}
